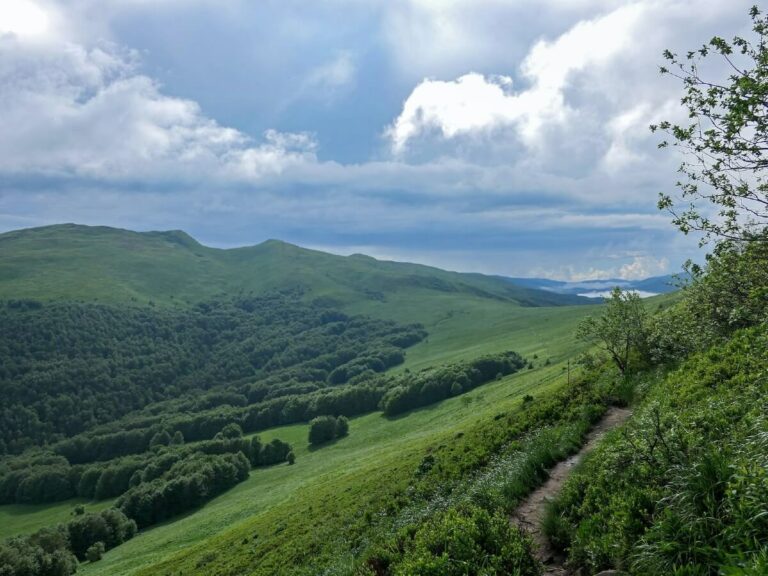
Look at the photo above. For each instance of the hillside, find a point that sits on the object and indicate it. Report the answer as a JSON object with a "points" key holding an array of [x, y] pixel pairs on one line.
{"points": [[170, 268]]}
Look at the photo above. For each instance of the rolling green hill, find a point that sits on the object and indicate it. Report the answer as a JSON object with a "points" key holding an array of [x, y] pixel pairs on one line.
{"points": [[98, 263]]}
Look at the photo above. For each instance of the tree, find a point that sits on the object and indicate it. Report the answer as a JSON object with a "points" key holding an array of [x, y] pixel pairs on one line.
{"points": [[726, 141], [342, 426], [620, 330], [291, 458], [95, 552], [178, 438], [160, 439], [231, 430], [322, 429]]}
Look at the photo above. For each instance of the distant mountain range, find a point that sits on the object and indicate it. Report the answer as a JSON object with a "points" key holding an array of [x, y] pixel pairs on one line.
{"points": [[600, 288]]}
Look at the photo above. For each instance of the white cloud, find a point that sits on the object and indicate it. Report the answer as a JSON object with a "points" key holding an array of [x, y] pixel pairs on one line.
{"points": [[522, 166], [643, 267], [339, 72], [639, 268], [71, 110], [475, 103], [23, 18], [468, 104]]}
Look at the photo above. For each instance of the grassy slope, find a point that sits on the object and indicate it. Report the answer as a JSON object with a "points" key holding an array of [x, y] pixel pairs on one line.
{"points": [[27, 518], [283, 504], [81, 262]]}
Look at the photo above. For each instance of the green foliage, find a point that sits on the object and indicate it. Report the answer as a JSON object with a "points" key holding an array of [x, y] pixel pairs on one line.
{"points": [[428, 387], [342, 426], [725, 141], [274, 452], [469, 542], [730, 293], [70, 368], [186, 485], [95, 552], [326, 428], [160, 439], [683, 490], [55, 551], [25, 557], [621, 330], [231, 431]]}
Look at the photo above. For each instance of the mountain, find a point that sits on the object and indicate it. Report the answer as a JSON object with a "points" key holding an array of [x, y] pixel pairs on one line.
{"points": [[599, 288], [71, 261]]}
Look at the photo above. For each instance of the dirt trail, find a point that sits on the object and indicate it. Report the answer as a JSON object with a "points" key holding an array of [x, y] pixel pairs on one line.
{"points": [[531, 510]]}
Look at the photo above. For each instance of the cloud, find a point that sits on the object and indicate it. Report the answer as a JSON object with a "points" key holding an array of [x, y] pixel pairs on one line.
{"points": [[519, 128], [337, 73], [643, 267], [638, 268], [468, 104], [88, 112], [476, 103], [23, 18]]}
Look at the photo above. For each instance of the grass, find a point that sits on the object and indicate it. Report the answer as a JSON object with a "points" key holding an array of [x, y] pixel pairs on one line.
{"points": [[375, 456], [460, 328], [683, 489], [18, 519]]}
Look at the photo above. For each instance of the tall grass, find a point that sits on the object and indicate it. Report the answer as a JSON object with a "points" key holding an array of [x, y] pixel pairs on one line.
{"points": [[684, 490]]}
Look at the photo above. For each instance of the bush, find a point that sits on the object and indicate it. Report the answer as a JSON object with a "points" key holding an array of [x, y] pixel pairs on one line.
{"points": [[432, 386], [322, 429], [326, 428], [342, 427], [111, 527], [95, 552], [186, 485], [468, 542]]}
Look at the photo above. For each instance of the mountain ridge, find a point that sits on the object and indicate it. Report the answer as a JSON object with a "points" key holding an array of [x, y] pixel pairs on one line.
{"points": [[73, 261]]}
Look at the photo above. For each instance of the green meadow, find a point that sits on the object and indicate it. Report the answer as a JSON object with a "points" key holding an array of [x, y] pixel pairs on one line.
{"points": [[283, 503]]}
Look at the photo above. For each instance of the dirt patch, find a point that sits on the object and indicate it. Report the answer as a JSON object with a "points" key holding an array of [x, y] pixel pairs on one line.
{"points": [[531, 510]]}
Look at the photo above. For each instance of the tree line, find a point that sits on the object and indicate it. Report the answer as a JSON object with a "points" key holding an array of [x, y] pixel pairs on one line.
{"points": [[42, 478], [69, 471], [56, 551]]}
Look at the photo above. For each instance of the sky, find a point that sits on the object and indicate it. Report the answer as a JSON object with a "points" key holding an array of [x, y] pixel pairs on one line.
{"points": [[497, 136]]}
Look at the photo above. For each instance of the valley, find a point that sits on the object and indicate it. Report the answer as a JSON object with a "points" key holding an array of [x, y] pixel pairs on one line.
{"points": [[464, 317]]}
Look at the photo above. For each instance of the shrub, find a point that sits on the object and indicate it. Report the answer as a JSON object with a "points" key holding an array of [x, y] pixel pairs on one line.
{"points": [[468, 542], [322, 429], [326, 428], [342, 427], [95, 552]]}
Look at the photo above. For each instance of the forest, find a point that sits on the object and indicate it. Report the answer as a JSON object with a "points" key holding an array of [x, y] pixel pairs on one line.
{"points": [[70, 367]]}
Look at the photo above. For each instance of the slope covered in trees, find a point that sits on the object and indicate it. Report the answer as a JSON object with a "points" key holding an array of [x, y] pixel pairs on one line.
{"points": [[69, 367]]}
